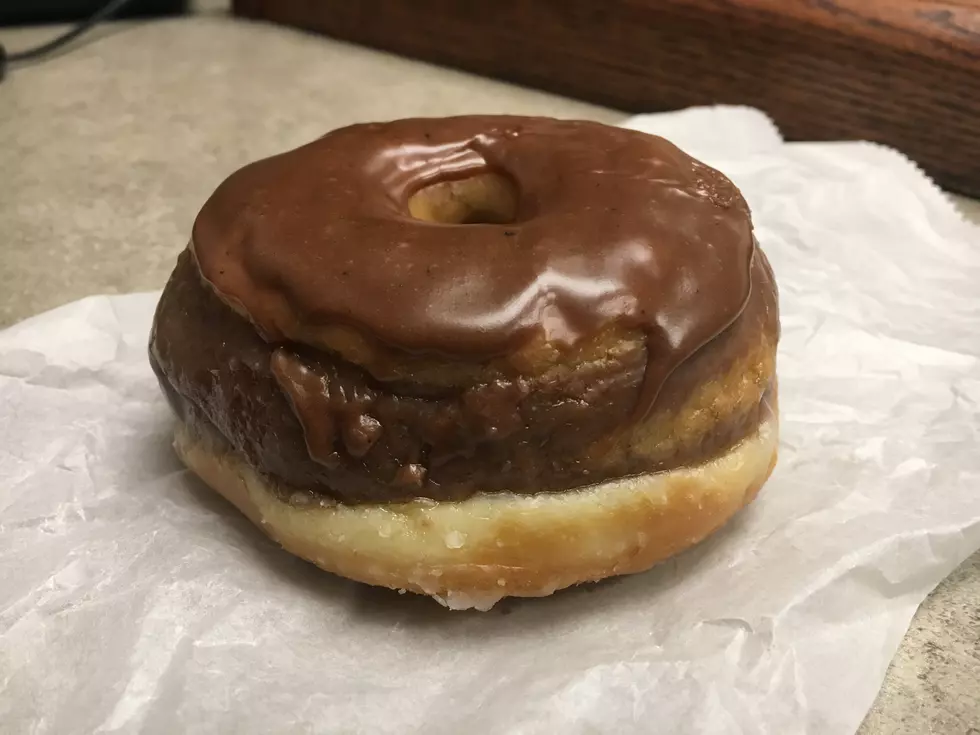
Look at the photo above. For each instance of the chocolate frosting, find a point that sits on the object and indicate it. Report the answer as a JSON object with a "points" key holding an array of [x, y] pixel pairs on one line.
{"points": [[612, 227], [319, 424]]}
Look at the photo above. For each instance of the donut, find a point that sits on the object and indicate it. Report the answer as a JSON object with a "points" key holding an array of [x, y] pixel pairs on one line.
{"points": [[475, 357]]}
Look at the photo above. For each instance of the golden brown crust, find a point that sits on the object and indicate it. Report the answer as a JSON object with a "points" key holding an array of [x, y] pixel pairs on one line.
{"points": [[472, 553]]}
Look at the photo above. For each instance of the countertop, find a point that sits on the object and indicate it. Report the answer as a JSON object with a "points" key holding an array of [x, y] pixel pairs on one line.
{"points": [[107, 152]]}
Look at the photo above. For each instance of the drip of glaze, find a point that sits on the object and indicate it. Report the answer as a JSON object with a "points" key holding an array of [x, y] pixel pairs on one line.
{"points": [[326, 410]]}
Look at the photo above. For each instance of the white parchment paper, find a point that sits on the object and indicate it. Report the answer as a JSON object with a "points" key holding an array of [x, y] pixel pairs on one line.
{"points": [[132, 599]]}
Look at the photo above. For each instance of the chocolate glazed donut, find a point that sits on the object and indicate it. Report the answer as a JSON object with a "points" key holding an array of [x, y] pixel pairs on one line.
{"points": [[475, 357]]}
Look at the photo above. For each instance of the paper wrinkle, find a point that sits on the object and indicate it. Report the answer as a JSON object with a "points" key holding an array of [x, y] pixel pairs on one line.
{"points": [[133, 599], [707, 133]]}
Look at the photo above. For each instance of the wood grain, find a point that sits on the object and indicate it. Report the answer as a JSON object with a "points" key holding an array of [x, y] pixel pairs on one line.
{"points": [[904, 73], [943, 30]]}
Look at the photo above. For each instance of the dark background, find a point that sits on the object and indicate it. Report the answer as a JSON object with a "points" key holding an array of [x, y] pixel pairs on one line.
{"points": [[15, 12]]}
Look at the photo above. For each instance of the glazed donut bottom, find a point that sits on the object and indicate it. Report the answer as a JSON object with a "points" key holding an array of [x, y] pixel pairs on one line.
{"points": [[474, 552]]}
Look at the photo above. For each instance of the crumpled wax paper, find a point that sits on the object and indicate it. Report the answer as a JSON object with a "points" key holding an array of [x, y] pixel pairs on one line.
{"points": [[135, 600]]}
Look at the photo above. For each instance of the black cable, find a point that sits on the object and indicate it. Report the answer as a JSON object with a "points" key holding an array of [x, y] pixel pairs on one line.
{"points": [[103, 13]]}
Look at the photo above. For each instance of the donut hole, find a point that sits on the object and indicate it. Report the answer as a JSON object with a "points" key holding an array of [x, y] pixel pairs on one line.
{"points": [[485, 199]]}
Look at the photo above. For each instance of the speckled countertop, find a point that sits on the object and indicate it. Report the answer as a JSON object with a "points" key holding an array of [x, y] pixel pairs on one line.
{"points": [[107, 152]]}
